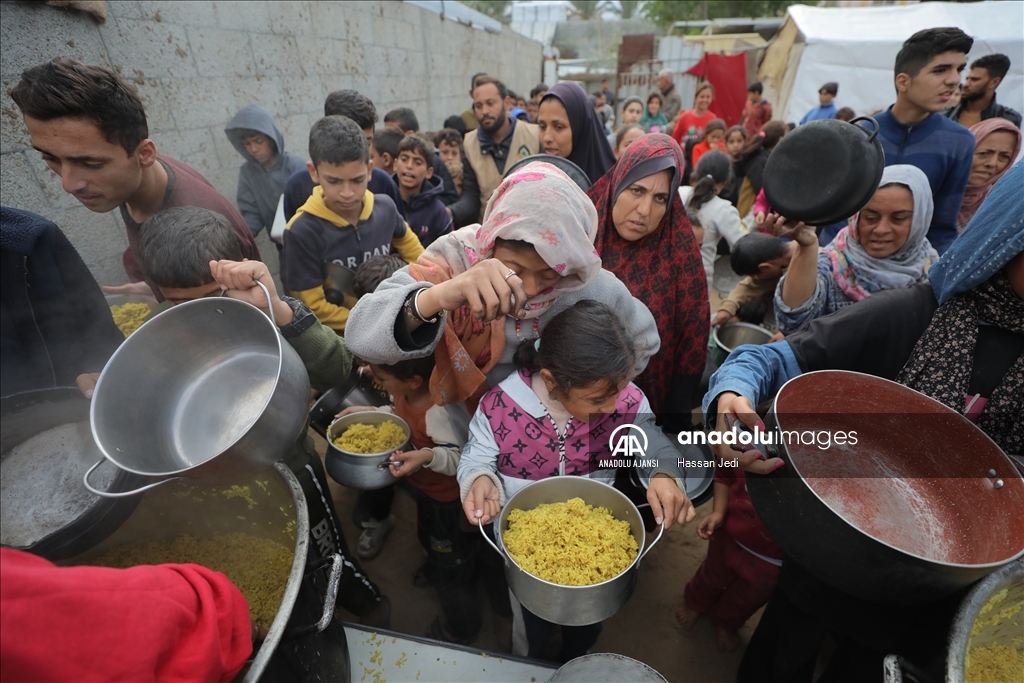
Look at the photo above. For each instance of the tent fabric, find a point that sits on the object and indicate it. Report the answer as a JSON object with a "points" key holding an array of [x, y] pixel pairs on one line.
{"points": [[857, 46], [728, 73]]}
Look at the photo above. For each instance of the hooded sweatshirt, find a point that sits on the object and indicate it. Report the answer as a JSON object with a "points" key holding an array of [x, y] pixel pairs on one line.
{"points": [[425, 212], [259, 188], [316, 235]]}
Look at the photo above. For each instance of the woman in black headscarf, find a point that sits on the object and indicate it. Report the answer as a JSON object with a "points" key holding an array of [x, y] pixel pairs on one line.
{"points": [[570, 128]]}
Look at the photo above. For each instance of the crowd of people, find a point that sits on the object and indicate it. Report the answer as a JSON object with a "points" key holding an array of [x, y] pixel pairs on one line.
{"points": [[512, 310]]}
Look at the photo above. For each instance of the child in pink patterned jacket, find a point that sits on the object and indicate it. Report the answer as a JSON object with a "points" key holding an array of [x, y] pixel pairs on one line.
{"points": [[555, 416]]}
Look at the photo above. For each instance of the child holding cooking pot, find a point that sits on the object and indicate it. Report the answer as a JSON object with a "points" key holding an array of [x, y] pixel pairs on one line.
{"points": [[554, 416], [428, 469], [191, 253]]}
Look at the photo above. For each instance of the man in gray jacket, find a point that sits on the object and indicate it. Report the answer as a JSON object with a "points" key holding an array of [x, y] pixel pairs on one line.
{"points": [[267, 166]]}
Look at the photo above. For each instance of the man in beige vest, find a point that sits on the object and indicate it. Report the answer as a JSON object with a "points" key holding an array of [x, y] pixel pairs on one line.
{"points": [[495, 146]]}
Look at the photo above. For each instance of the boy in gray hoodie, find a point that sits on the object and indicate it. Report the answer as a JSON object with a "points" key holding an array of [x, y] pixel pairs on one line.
{"points": [[267, 166]]}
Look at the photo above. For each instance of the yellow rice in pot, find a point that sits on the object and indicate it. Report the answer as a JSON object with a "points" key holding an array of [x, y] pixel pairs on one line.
{"points": [[570, 543], [129, 317], [364, 439]]}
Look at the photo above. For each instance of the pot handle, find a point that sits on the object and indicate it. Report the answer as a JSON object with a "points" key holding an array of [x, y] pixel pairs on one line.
{"points": [[330, 598], [270, 306], [871, 138], [658, 538], [122, 494], [489, 541]]}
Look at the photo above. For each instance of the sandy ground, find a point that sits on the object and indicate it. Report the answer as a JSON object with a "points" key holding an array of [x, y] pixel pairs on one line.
{"points": [[645, 628]]}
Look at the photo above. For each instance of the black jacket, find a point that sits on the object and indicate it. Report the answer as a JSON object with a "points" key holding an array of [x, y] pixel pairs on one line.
{"points": [[992, 111], [54, 320]]}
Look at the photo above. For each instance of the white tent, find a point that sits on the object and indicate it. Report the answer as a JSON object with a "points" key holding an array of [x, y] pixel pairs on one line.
{"points": [[857, 46]]}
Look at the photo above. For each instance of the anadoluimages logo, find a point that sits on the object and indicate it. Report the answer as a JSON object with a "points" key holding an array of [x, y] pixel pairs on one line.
{"points": [[625, 443]]}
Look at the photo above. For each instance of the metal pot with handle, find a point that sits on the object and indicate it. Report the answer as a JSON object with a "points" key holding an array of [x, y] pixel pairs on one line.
{"points": [[206, 388], [920, 505], [572, 605]]}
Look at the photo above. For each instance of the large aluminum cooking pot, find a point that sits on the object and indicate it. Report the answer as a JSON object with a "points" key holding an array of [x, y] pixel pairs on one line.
{"points": [[205, 388], [605, 667], [271, 506], [922, 505], [572, 605], [1004, 588], [46, 447], [365, 471], [824, 171]]}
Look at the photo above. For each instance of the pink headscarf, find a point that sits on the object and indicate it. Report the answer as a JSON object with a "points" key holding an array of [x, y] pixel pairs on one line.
{"points": [[976, 194]]}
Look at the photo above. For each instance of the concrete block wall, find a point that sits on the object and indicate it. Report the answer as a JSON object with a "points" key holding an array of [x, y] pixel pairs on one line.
{"points": [[196, 63]]}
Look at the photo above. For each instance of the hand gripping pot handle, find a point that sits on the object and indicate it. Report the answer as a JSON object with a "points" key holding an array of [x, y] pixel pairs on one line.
{"points": [[330, 598], [642, 555], [109, 494]]}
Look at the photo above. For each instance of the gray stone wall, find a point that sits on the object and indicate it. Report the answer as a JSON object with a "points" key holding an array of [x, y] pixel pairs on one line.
{"points": [[196, 63]]}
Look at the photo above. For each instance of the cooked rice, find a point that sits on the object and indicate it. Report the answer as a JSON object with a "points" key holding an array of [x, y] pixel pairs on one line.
{"points": [[570, 543], [996, 662], [364, 438], [256, 566], [129, 317]]}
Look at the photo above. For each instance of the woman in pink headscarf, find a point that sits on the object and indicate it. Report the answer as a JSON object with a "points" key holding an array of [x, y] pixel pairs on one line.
{"points": [[998, 144]]}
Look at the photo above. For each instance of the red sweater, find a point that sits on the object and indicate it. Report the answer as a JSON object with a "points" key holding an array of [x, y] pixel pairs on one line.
{"points": [[741, 521], [172, 622]]}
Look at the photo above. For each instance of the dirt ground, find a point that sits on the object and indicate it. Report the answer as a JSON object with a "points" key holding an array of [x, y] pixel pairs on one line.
{"points": [[644, 629]]}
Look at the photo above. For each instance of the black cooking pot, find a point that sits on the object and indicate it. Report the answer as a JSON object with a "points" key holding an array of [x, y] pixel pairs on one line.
{"points": [[339, 284], [922, 505], [357, 390], [76, 520], [564, 165], [824, 171]]}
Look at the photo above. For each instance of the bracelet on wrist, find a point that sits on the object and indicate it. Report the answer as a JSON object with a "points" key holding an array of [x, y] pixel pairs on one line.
{"points": [[414, 312]]}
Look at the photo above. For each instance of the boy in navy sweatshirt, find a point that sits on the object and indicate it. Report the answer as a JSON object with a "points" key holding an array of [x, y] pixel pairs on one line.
{"points": [[420, 191], [913, 130]]}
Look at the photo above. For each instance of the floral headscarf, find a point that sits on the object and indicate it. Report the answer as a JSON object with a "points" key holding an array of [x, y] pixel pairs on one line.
{"points": [[537, 204], [859, 274]]}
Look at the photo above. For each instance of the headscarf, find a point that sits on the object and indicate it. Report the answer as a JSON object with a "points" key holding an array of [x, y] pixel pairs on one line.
{"points": [[590, 150], [971, 286], [859, 274], [662, 269], [976, 194], [538, 204]]}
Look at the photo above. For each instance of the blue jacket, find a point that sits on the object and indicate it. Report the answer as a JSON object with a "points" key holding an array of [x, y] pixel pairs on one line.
{"points": [[819, 112], [944, 150], [425, 212]]}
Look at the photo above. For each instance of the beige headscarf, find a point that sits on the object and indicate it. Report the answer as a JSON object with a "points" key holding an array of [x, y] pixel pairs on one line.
{"points": [[537, 204]]}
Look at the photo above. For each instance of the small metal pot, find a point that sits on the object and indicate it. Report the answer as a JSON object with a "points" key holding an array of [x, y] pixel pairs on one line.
{"points": [[365, 471], [605, 667], [730, 335], [572, 605], [205, 388]]}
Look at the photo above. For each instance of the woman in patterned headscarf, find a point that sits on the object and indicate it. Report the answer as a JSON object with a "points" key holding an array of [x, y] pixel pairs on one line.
{"points": [[958, 338], [645, 238], [486, 288]]}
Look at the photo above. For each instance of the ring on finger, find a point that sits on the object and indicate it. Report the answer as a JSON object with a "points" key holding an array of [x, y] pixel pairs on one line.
{"points": [[510, 273]]}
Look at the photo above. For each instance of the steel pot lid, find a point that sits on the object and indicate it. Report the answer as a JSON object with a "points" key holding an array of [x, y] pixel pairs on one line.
{"points": [[824, 171]]}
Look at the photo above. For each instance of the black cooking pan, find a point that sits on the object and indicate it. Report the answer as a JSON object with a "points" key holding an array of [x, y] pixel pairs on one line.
{"points": [[824, 171], [921, 506], [53, 424], [357, 390]]}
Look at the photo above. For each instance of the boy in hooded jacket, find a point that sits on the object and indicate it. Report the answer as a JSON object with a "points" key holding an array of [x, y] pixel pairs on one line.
{"points": [[420, 190], [267, 167]]}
